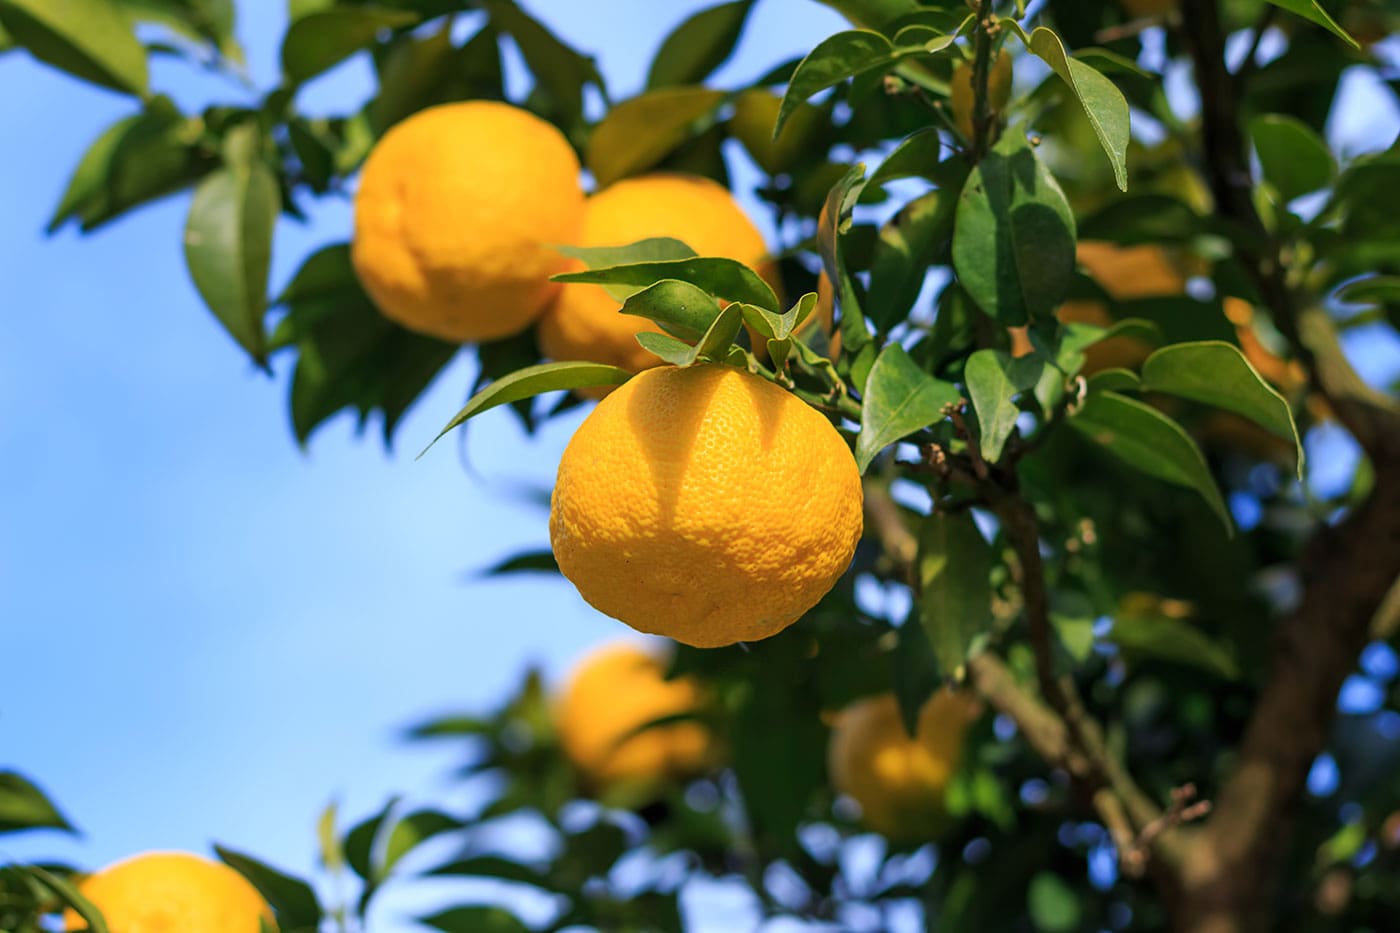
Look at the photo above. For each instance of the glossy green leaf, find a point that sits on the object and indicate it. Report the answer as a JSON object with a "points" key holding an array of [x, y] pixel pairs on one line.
{"points": [[699, 45], [900, 399], [24, 806], [725, 278], [1013, 240], [534, 380], [640, 132], [1217, 373], [681, 309], [89, 39], [835, 59], [228, 246], [993, 392], [293, 899], [1114, 380], [1053, 906], [1312, 11], [1148, 440], [668, 348], [1103, 103], [719, 337], [955, 589], [475, 919], [1294, 159], [324, 39]]}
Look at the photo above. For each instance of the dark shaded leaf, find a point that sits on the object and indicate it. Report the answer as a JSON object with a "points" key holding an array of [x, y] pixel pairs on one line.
{"points": [[291, 898], [955, 590], [321, 40], [475, 919], [1294, 159], [25, 806], [699, 45]]}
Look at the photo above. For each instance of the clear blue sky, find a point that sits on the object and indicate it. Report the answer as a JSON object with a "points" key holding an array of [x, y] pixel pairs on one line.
{"points": [[209, 634]]}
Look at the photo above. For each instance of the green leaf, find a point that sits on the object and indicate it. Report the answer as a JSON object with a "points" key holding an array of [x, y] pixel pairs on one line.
{"points": [[1217, 373], [1311, 10], [24, 806], [955, 588], [916, 673], [318, 42], [360, 843], [1103, 103], [228, 243], [528, 562], [779, 327], [848, 54], [135, 160], [534, 380], [673, 351], [720, 335], [491, 866], [1114, 380], [415, 829], [1294, 159], [638, 133], [1053, 906], [328, 839], [833, 222], [681, 309], [900, 399], [1374, 289], [69, 895], [89, 39], [561, 72], [1013, 243], [654, 249], [1170, 639], [475, 919], [723, 278], [911, 242], [1072, 616], [1148, 440], [292, 899], [699, 45], [917, 155], [993, 393]]}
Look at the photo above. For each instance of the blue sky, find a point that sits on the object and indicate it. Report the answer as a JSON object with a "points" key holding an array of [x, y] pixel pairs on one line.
{"points": [[209, 633]]}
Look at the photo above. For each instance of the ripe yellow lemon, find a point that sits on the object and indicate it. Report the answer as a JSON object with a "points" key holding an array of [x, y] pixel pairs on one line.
{"points": [[172, 892], [899, 782], [962, 100], [616, 690], [457, 213], [583, 322], [705, 504]]}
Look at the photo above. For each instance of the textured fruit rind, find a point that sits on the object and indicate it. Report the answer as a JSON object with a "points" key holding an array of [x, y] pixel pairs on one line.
{"points": [[614, 691], [172, 892], [457, 215], [705, 504], [584, 322], [900, 782]]}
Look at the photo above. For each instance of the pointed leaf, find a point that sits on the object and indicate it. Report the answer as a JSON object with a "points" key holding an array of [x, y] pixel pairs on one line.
{"points": [[293, 900], [89, 39], [69, 894], [475, 919], [699, 45], [720, 335], [24, 806], [833, 222], [900, 399], [1169, 639], [955, 589], [653, 249], [1148, 440], [1217, 373], [835, 59], [1013, 240], [415, 829], [724, 278], [560, 70], [681, 309], [528, 562], [534, 380], [1311, 10], [673, 351], [228, 247], [321, 40], [993, 396], [638, 133], [1103, 103]]}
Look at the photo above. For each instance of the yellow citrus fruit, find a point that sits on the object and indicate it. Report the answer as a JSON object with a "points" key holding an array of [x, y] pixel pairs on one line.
{"points": [[456, 217], [616, 690], [583, 322], [899, 781], [962, 100], [172, 892], [705, 504]]}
